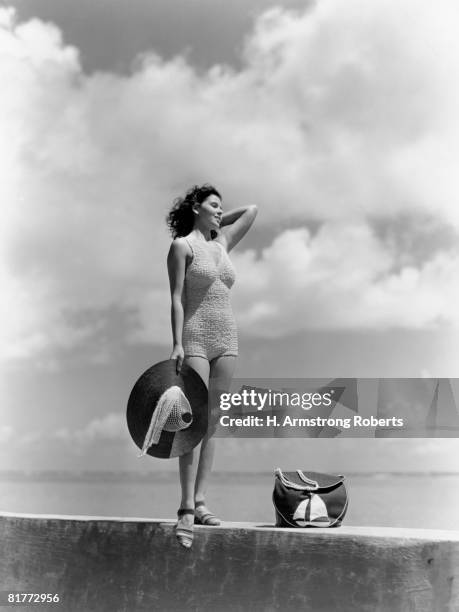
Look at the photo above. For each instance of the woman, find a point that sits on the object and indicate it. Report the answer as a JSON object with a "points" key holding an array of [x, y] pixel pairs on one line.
{"points": [[203, 326]]}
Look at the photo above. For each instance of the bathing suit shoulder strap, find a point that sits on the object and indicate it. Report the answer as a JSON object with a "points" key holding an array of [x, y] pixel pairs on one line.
{"points": [[189, 243]]}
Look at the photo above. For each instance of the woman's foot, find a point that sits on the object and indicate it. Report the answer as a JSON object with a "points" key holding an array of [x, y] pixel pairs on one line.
{"points": [[203, 516], [184, 527]]}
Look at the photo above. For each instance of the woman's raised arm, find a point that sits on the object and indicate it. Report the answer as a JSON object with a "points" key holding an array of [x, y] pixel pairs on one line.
{"points": [[236, 223]]}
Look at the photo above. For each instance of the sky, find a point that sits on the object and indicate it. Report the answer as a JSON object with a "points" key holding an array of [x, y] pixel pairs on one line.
{"points": [[339, 120]]}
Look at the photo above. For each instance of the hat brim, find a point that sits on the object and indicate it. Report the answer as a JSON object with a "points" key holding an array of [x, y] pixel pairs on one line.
{"points": [[144, 397]]}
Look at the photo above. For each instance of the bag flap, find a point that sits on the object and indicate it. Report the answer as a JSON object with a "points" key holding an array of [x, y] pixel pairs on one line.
{"points": [[309, 481]]}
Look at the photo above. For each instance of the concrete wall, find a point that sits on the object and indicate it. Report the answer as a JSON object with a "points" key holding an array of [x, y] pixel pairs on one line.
{"points": [[135, 564]]}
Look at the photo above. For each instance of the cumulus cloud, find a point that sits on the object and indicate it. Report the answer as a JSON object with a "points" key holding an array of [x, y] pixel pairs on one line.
{"points": [[343, 277], [345, 115]]}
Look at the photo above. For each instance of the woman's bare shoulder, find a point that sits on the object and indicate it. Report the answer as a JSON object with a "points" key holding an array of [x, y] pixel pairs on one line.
{"points": [[179, 247]]}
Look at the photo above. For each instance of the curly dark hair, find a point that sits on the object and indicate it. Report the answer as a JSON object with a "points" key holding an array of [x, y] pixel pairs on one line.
{"points": [[180, 218]]}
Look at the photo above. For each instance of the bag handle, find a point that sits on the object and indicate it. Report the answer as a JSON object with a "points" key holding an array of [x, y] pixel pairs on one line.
{"points": [[309, 484], [313, 483]]}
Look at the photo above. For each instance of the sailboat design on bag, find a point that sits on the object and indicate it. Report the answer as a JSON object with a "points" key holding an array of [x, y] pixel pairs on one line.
{"points": [[311, 511]]}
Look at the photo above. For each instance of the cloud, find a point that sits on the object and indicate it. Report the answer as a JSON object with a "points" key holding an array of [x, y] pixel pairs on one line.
{"points": [[343, 277], [110, 427], [344, 114]]}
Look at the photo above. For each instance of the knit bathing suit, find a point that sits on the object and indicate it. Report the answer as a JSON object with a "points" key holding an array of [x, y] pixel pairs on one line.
{"points": [[209, 327]]}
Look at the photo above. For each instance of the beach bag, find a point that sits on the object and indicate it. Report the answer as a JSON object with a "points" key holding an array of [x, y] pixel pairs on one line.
{"points": [[309, 499]]}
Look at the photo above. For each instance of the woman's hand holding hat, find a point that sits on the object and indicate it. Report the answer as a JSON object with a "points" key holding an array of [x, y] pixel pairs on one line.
{"points": [[178, 354]]}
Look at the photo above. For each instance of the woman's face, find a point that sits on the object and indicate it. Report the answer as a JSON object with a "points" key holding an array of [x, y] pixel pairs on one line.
{"points": [[210, 212]]}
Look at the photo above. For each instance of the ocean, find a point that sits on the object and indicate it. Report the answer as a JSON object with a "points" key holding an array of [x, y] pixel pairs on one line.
{"points": [[429, 501]]}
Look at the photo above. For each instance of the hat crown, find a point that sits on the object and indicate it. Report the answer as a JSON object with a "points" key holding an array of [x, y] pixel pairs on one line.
{"points": [[178, 406], [172, 413]]}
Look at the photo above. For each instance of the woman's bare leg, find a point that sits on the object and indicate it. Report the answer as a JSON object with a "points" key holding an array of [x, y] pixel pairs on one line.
{"points": [[220, 376], [187, 462]]}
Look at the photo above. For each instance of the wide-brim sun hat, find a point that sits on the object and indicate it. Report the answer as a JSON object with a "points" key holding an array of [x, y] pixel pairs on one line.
{"points": [[167, 412]]}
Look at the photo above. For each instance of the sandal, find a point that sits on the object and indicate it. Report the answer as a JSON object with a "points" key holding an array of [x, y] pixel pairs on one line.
{"points": [[184, 534], [204, 517]]}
